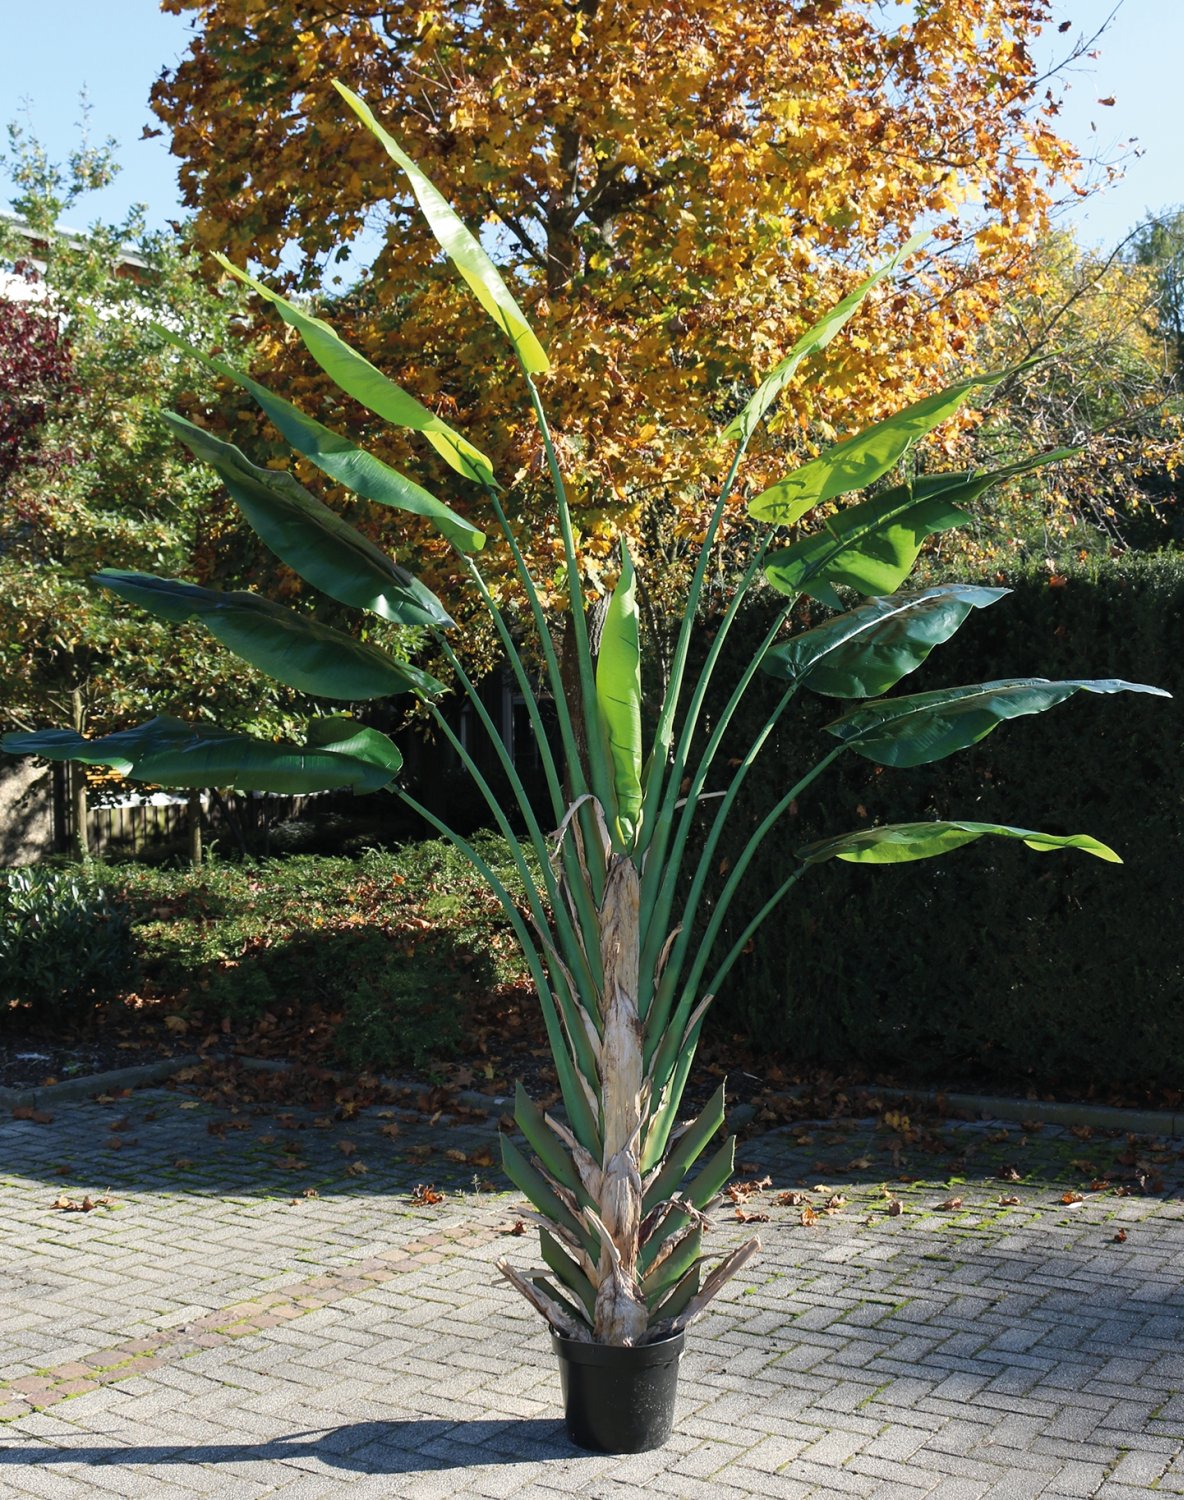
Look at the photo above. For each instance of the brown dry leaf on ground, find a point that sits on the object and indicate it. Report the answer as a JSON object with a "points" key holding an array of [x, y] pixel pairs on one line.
{"points": [[950, 1205], [1008, 1201], [739, 1191], [744, 1218], [291, 1164], [517, 1227], [1008, 1174], [88, 1204], [36, 1116], [426, 1195], [895, 1208], [1071, 1198], [791, 1199], [347, 1148], [357, 1169], [1120, 1237], [808, 1218]]}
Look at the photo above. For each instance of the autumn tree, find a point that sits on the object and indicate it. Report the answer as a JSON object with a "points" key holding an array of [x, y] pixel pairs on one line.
{"points": [[1158, 244], [674, 190], [1103, 381]]}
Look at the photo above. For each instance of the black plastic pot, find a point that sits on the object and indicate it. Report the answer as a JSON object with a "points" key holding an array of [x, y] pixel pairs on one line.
{"points": [[618, 1400]]}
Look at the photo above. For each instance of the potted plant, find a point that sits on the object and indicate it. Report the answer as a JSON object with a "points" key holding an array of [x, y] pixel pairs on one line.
{"points": [[624, 975]]}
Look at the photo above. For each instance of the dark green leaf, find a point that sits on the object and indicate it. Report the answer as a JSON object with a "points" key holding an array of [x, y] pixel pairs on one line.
{"points": [[862, 459], [168, 752], [871, 547], [357, 377], [686, 1151], [869, 649], [461, 247], [359, 471], [290, 647], [313, 540], [899, 843], [914, 730]]}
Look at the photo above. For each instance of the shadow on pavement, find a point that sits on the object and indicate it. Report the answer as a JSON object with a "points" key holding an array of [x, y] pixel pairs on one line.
{"points": [[396, 1447]]}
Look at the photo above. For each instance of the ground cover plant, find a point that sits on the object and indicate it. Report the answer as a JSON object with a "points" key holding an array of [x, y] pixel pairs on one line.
{"points": [[623, 974]]}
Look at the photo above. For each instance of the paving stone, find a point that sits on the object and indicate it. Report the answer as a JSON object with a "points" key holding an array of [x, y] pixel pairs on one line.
{"points": [[350, 1346]]}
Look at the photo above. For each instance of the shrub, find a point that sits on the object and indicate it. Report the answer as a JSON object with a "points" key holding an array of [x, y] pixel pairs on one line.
{"points": [[65, 943]]}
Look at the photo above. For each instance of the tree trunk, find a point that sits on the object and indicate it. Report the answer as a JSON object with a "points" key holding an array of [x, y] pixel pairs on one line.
{"points": [[193, 827], [620, 1307], [80, 832]]}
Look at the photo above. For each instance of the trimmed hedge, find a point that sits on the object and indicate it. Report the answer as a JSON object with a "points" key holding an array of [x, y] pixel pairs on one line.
{"points": [[992, 965]]}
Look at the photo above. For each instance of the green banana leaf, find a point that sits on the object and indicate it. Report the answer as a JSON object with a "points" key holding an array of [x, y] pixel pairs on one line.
{"points": [[899, 843], [169, 752], [872, 546], [869, 649], [560, 1263], [461, 247], [678, 1299], [811, 342], [357, 377], [657, 1283], [686, 1152], [914, 730], [343, 461], [862, 459], [618, 692], [543, 1142], [313, 540], [711, 1178], [290, 647], [543, 1197]]}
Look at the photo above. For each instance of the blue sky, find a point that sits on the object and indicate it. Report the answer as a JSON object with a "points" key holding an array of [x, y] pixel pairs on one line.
{"points": [[116, 48]]}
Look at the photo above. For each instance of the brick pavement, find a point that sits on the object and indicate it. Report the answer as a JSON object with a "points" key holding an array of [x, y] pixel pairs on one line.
{"points": [[253, 1315]]}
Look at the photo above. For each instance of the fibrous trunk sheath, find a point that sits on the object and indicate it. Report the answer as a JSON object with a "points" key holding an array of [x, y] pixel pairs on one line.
{"points": [[620, 1307]]}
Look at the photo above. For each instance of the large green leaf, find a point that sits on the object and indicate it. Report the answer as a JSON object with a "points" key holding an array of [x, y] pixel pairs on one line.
{"points": [[290, 647], [871, 547], [914, 730], [461, 247], [529, 1180], [811, 342], [869, 649], [342, 460], [357, 377], [168, 752], [862, 459], [618, 692], [313, 540], [690, 1146], [656, 1283], [899, 843], [560, 1263]]}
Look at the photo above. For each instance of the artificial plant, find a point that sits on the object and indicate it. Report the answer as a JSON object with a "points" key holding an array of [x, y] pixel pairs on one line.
{"points": [[624, 970]]}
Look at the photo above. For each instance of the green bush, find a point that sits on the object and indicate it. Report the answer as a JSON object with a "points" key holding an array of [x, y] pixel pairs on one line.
{"points": [[65, 944], [994, 965], [390, 948]]}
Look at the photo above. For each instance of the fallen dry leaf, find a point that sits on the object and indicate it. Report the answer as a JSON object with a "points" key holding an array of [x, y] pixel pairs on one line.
{"points": [[751, 1218], [1008, 1174], [517, 1227], [1008, 1201], [808, 1217], [452, 1154], [791, 1199], [88, 1204], [357, 1169], [950, 1205], [182, 1164], [36, 1116], [1071, 1198], [347, 1148], [291, 1164], [426, 1195], [392, 1129], [895, 1208], [1120, 1237]]}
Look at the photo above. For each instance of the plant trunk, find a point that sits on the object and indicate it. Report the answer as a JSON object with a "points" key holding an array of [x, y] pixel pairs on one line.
{"points": [[80, 832], [193, 827], [620, 1307]]}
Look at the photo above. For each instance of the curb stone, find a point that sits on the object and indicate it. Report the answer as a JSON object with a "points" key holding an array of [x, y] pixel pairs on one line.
{"points": [[135, 1075], [967, 1106]]}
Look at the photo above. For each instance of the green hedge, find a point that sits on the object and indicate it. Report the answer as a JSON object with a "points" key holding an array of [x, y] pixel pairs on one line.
{"points": [[994, 964]]}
